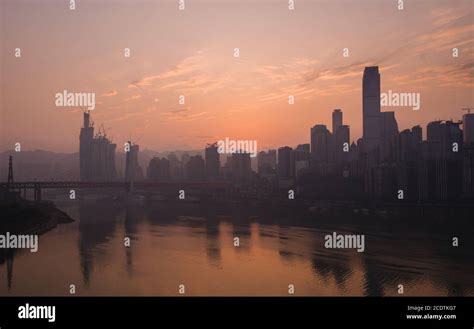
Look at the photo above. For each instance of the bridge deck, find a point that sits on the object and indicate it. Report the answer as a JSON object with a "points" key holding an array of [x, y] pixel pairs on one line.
{"points": [[124, 185]]}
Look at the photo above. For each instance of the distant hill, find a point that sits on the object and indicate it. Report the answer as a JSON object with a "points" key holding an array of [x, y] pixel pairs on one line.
{"points": [[45, 165], [40, 165]]}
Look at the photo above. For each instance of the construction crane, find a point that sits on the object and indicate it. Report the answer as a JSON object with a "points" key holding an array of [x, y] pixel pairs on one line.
{"points": [[102, 131], [136, 141]]}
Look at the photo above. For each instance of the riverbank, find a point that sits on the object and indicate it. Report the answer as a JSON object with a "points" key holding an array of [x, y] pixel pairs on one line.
{"points": [[23, 216]]}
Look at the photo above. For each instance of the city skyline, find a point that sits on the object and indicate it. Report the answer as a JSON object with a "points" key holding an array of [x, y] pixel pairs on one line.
{"points": [[329, 153], [241, 98], [237, 148]]}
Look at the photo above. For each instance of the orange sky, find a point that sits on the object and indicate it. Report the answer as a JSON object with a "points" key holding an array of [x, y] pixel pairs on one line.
{"points": [[191, 53]]}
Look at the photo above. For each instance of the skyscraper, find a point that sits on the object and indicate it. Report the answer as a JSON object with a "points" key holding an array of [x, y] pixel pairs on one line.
{"points": [[388, 136], [468, 170], [133, 171], [212, 161], [320, 144], [176, 168], [443, 135], [409, 144], [85, 147], [240, 167], [371, 108], [159, 169], [336, 120], [196, 168], [96, 153], [286, 165], [341, 144], [267, 161], [468, 127], [417, 134], [301, 157]]}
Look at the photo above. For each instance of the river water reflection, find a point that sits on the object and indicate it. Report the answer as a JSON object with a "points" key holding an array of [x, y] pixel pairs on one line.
{"points": [[173, 244]]}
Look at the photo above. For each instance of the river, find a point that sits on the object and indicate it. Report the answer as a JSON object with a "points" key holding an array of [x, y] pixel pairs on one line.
{"points": [[173, 244]]}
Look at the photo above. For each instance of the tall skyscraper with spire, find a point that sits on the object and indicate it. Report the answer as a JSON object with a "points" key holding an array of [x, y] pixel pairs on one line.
{"points": [[371, 108]]}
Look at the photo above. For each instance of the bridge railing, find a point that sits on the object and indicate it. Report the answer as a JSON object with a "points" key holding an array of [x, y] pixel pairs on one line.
{"points": [[124, 185]]}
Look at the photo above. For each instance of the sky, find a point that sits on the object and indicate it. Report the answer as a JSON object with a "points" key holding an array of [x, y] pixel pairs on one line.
{"points": [[191, 52]]}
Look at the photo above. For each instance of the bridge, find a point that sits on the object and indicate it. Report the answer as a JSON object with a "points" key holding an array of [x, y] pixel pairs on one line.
{"points": [[208, 186], [215, 189]]}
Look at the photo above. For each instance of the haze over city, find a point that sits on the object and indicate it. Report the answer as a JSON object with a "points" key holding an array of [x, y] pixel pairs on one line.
{"points": [[191, 53]]}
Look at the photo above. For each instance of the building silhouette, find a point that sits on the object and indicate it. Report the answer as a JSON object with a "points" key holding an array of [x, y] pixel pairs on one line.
{"points": [[212, 161], [468, 127], [196, 168], [468, 171], [341, 138], [468, 156], [96, 153], [267, 162], [240, 167], [301, 155], [388, 136], [133, 171], [321, 142], [409, 142], [386, 164], [159, 169], [336, 120], [176, 167], [443, 134], [371, 108], [286, 163], [184, 163]]}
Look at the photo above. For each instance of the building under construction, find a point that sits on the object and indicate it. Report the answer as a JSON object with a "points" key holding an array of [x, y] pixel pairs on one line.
{"points": [[96, 153]]}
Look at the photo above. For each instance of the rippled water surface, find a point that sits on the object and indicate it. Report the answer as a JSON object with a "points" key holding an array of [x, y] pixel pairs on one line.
{"points": [[193, 245]]}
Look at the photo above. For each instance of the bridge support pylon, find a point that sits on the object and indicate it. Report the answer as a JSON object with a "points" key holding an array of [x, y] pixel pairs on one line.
{"points": [[37, 190]]}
